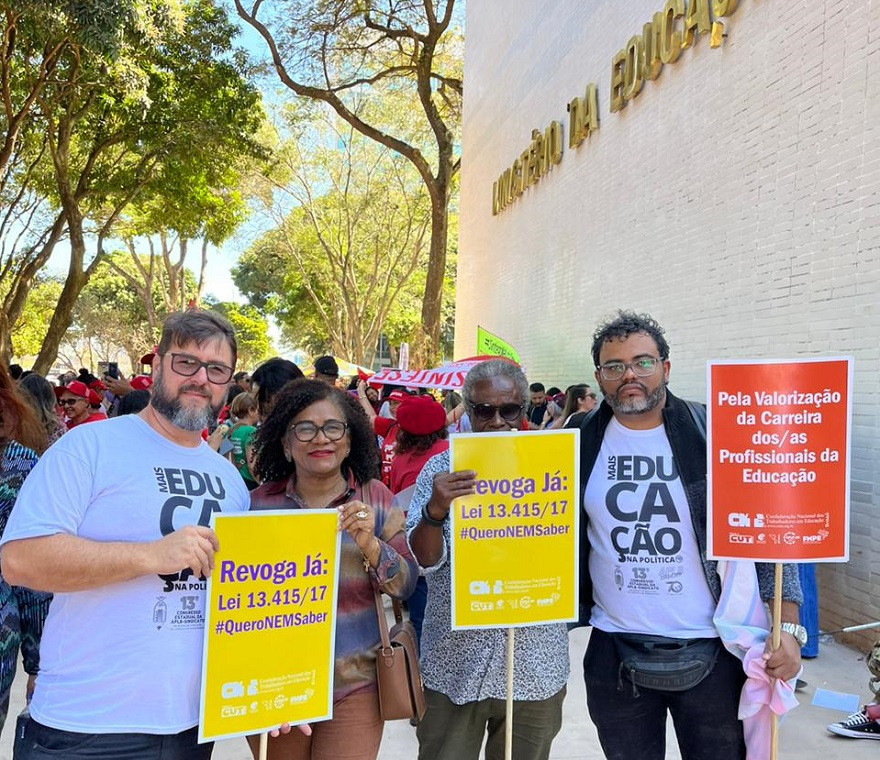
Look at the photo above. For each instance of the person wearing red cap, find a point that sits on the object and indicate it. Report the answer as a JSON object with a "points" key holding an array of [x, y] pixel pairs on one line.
{"points": [[421, 434], [80, 404], [385, 427]]}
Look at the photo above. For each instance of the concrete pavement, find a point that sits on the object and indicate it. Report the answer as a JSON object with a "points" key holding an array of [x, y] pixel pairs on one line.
{"points": [[802, 734]]}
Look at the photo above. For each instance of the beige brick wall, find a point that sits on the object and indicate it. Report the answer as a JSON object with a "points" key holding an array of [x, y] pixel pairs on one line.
{"points": [[737, 199]]}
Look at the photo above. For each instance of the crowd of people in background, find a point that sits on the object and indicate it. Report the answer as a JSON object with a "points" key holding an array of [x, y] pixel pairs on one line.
{"points": [[353, 443], [378, 454]]}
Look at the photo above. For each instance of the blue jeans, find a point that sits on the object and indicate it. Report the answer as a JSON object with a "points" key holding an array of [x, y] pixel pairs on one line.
{"points": [[631, 726], [417, 602], [43, 743]]}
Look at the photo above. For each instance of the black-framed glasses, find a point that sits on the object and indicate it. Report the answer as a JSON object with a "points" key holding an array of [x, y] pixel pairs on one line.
{"points": [[70, 401], [510, 412], [644, 366], [187, 366], [306, 431]]}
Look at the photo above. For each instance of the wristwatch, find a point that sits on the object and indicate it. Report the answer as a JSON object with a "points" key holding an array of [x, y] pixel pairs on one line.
{"points": [[798, 631]]}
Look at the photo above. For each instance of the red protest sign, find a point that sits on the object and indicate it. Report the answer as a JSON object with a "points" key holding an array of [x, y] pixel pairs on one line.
{"points": [[778, 460]]}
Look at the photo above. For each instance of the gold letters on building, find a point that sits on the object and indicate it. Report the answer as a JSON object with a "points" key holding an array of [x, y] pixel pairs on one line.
{"points": [[670, 30], [583, 116], [534, 162]]}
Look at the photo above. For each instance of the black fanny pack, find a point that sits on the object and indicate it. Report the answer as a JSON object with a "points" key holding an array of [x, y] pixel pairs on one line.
{"points": [[657, 662]]}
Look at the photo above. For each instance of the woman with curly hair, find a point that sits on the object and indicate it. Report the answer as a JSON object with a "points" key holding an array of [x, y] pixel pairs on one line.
{"points": [[22, 611], [316, 450]]}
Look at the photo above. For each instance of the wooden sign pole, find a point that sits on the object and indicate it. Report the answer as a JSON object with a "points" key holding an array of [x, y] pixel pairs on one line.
{"points": [[776, 643], [508, 722]]}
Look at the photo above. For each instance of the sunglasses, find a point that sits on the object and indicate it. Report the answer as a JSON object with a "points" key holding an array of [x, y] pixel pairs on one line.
{"points": [[509, 412], [70, 401]]}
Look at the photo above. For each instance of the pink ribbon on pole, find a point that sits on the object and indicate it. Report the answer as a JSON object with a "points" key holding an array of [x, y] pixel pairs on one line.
{"points": [[760, 697], [744, 625]]}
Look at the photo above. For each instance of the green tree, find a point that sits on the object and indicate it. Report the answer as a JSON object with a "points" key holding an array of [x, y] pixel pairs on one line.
{"points": [[343, 54], [172, 110], [111, 312], [28, 331], [251, 332], [350, 245]]}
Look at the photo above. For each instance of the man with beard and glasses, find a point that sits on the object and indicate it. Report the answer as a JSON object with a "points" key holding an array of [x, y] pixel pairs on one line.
{"points": [[114, 520], [644, 571]]}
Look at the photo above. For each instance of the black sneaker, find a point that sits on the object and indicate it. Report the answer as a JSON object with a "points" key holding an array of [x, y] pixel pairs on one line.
{"points": [[857, 726]]}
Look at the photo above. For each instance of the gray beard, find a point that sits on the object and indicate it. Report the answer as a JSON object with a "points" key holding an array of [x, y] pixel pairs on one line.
{"points": [[637, 405], [191, 419]]}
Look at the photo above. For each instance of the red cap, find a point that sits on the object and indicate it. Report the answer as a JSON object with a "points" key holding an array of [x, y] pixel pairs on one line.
{"points": [[78, 388], [421, 415], [148, 357], [398, 395], [141, 382]]}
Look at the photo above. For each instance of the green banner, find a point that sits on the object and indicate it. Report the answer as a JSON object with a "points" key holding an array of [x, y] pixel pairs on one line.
{"points": [[489, 344]]}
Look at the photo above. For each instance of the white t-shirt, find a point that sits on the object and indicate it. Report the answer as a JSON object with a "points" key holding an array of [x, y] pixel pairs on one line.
{"points": [[125, 657], [644, 559]]}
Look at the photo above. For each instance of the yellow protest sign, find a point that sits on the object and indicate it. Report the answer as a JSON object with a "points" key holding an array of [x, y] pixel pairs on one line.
{"points": [[513, 557], [270, 622]]}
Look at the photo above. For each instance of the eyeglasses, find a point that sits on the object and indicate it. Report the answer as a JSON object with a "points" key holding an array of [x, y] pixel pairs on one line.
{"points": [[187, 366], [510, 412], [644, 366], [333, 430], [70, 401]]}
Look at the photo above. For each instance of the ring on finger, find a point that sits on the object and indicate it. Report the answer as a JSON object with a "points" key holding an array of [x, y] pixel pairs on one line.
{"points": [[361, 514]]}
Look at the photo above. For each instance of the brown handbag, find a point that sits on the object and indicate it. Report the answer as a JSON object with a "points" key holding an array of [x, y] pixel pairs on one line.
{"points": [[397, 667]]}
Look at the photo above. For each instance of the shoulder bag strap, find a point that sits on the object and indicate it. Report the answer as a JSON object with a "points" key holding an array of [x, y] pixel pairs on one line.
{"points": [[383, 621]]}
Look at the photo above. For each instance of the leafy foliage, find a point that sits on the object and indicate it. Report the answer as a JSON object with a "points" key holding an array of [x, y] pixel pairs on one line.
{"points": [[346, 260], [251, 332], [345, 54]]}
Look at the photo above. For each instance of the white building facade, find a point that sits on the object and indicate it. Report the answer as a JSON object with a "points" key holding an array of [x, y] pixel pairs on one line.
{"points": [[735, 197]]}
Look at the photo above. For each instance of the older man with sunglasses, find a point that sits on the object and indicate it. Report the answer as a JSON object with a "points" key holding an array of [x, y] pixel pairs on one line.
{"points": [[114, 520], [464, 672]]}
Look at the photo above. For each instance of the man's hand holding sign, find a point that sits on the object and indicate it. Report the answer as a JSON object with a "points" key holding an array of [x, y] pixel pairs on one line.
{"points": [[482, 524], [779, 477]]}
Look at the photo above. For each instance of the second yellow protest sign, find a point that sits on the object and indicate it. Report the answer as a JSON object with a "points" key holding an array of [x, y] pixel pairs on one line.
{"points": [[270, 622], [514, 542]]}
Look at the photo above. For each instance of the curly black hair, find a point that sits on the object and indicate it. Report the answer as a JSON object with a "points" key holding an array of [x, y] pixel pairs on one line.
{"points": [[363, 458], [625, 324], [418, 443]]}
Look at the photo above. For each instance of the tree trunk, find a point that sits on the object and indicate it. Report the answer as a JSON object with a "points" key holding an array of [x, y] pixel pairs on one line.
{"points": [[73, 285], [61, 321], [426, 351]]}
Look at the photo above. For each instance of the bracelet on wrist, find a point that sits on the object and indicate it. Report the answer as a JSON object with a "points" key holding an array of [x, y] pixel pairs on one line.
{"points": [[367, 563], [426, 517]]}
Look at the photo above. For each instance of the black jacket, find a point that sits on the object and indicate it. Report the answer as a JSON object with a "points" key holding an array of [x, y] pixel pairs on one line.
{"points": [[689, 451]]}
